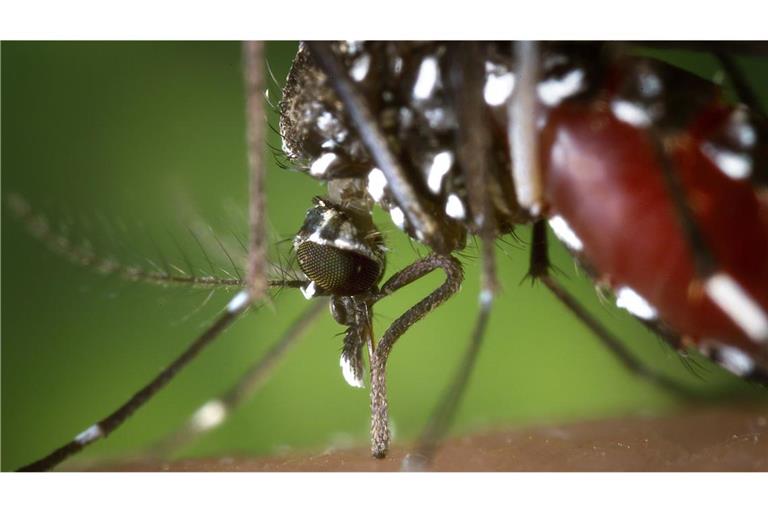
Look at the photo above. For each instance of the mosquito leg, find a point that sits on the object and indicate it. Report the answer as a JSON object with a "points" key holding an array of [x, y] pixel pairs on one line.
{"points": [[752, 122], [744, 91], [474, 148], [473, 154], [523, 134], [256, 275], [107, 425], [442, 416], [704, 260], [454, 276], [539, 270], [214, 412]]}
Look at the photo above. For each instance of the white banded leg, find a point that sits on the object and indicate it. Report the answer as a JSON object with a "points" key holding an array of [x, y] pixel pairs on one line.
{"points": [[215, 411]]}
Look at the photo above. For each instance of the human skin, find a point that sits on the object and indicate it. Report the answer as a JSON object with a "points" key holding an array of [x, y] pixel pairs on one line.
{"points": [[719, 438]]}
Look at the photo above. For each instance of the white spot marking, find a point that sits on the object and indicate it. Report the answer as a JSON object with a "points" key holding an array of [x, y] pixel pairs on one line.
{"points": [[441, 164], [398, 217], [376, 183], [321, 165], [739, 127], [344, 244], [238, 302], [498, 88], [89, 435], [210, 415], [746, 134], [631, 113], [360, 67], [737, 304], [398, 68], [325, 121], [565, 234], [354, 46], [486, 298], [426, 79], [629, 299], [327, 216], [454, 207], [737, 166], [348, 371], [650, 85], [309, 291], [734, 360], [553, 91], [555, 60]]}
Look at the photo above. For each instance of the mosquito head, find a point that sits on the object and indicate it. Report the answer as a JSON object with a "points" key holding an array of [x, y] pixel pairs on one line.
{"points": [[339, 249]]}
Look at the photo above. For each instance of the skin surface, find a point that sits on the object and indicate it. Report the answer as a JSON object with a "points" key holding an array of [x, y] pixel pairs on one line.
{"points": [[722, 438]]}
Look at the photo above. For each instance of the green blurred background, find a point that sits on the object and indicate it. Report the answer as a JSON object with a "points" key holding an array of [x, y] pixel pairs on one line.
{"points": [[128, 146]]}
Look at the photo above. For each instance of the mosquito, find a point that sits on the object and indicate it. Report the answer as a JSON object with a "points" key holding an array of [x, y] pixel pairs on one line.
{"points": [[338, 232]]}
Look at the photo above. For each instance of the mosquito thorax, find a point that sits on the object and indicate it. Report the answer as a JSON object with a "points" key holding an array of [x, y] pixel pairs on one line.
{"points": [[340, 250]]}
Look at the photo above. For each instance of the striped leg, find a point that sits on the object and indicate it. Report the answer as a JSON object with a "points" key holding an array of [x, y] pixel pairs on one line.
{"points": [[215, 411], [442, 416], [110, 423]]}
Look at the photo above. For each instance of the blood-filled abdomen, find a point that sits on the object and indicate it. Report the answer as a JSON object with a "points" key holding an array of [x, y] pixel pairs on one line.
{"points": [[608, 200]]}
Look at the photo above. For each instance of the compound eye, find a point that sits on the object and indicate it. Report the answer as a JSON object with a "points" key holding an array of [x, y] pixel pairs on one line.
{"points": [[337, 271]]}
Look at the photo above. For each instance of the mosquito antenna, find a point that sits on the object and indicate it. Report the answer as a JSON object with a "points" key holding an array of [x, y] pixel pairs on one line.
{"points": [[39, 228]]}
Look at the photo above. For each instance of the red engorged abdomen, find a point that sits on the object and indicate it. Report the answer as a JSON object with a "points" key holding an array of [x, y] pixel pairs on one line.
{"points": [[602, 177]]}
